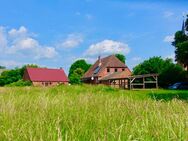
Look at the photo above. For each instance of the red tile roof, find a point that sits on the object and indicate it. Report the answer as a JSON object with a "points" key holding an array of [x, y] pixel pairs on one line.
{"points": [[44, 74]]}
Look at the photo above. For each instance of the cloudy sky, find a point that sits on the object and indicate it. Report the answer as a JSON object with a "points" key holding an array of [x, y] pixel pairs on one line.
{"points": [[56, 33]]}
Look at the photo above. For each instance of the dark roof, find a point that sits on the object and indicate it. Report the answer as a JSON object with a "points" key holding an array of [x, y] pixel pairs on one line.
{"points": [[44, 74], [108, 62], [116, 75]]}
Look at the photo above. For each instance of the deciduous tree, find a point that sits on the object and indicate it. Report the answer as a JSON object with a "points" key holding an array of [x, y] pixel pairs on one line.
{"points": [[169, 72], [78, 66], [121, 57]]}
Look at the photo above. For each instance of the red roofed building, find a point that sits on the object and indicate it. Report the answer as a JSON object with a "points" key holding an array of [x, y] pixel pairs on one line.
{"points": [[45, 77], [106, 69]]}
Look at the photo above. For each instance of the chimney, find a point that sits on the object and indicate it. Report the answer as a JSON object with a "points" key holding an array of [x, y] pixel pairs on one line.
{"points": [[99, 58]]}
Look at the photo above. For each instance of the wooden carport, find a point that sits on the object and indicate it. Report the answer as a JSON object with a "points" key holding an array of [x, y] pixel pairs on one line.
{"points": [[134, 82]]}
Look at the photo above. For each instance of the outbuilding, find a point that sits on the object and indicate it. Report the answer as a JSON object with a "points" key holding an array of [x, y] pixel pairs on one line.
{"points": [[45, 76]]}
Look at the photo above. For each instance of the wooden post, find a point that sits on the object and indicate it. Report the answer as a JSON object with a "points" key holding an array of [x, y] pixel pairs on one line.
{"points": [[157, 82], [143, 82]]}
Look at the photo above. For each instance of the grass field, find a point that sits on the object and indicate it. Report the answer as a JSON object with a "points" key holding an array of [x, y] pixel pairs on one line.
{"points": [[92, 113]]}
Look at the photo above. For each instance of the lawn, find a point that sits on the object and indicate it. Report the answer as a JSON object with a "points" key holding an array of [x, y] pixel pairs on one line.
{"points": [[92, 113]]}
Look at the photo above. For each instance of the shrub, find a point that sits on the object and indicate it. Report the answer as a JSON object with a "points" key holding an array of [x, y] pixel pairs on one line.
{"points": [[20, 83]]}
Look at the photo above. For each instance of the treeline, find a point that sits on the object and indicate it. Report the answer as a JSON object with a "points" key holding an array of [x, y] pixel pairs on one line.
{"points": [[14, 77], [169, 73]]}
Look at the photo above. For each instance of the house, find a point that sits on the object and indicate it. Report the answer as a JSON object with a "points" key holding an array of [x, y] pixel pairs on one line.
{"points": [[106, 69], [45, 77]]}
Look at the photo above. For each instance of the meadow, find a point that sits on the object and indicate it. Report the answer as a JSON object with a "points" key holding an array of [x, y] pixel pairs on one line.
{"points": [[92, 113]]}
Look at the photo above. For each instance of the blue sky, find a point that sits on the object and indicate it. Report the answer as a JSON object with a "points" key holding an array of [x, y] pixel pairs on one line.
{"points": [[56, 33]]}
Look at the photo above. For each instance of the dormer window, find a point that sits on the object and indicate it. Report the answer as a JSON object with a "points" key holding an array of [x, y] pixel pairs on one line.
{"points": [[123, 69], [108, 69], [116, 70]]}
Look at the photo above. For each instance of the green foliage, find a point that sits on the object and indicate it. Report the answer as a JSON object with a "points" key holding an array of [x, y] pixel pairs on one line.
{"points": [[182, 52], [181, 46], [179, 38], [20, 83], [10, 76], [153, 65], [121, 57], [169, 73], [83, 112], [186, 24], [2, 67], [74, 77]]}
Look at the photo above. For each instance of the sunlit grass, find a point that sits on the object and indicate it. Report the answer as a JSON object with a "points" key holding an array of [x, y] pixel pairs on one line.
{"points": [[92, 113]]}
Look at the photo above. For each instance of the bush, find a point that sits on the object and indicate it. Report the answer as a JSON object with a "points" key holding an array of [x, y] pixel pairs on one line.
{"points": [[20, 83], [75, 77]]}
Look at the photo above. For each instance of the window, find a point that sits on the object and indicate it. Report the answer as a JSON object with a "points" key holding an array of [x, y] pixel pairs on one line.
{"points": [[46, 83], [108, 69], [123, 69], [116, 70], [96, 70]]}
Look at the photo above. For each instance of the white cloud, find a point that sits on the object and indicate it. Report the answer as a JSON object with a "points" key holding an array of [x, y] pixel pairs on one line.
{"points": [[168, 14], [20, 42], [10, 63], [169, 38], [107, 47], [22, 31], [46, 52], [73, 40]]}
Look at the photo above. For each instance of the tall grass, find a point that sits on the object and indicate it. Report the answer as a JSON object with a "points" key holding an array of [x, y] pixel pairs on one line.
{"points": [[91, 113]]}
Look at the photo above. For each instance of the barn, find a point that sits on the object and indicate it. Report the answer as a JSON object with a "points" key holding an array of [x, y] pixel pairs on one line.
{"points": [[45, 76]]}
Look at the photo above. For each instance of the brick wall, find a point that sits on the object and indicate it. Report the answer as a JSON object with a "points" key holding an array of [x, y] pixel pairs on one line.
{"points": [[48, 83]]}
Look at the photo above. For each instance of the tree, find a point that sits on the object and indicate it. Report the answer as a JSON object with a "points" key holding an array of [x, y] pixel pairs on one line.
{"points": [[179, 38], [10, 76], [182, 53], [2, 67], [186, 24], [14, 75], [169, 72], [181, 45], [76, 75], [79, 64], [77, 70], [152, 65], [121, 57]]}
